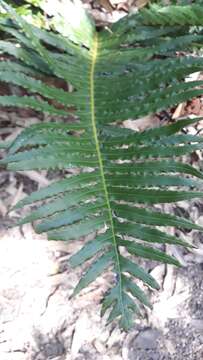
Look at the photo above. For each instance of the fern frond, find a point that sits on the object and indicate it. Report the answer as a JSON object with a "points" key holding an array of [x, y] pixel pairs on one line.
{"points": [[132, 71]]}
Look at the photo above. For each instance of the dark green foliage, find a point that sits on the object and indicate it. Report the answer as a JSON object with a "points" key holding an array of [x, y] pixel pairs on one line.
{"points": [[133, 69]]}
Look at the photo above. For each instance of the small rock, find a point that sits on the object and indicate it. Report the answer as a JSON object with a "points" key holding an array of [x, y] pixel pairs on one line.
{"points": [[147, 339]]}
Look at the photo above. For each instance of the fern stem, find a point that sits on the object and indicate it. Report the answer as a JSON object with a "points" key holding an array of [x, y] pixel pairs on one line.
{"points": [[101, 166]]}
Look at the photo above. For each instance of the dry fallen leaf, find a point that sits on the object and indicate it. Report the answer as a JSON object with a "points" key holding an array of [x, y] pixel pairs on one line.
{"points": [[141, 3], [106, 4], [178, 111], [36, 176], [193, 107], [141, 124], [84, 332], [3, 208]]}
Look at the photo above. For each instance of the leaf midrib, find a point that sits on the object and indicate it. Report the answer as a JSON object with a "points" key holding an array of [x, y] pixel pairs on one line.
{"points": [[94, 53]]}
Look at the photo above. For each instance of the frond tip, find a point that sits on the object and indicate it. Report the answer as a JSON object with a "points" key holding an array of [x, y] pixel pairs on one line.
{"points": [[129, 72]]}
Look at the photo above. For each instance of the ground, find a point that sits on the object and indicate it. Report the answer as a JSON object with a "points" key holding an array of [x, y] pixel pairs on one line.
{"points": [[39, 320]]}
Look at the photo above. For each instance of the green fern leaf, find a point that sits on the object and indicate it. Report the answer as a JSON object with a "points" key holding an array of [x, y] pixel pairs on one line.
{"points": [[127, 72]]}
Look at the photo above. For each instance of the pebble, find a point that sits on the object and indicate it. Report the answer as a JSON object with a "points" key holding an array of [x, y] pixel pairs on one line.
{"points": [[147, 339]]}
